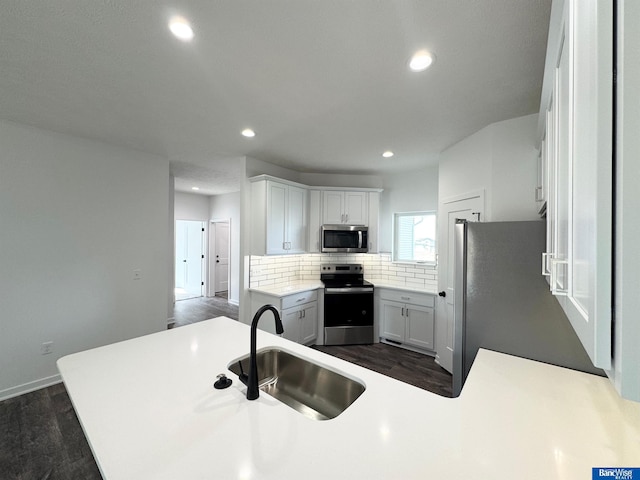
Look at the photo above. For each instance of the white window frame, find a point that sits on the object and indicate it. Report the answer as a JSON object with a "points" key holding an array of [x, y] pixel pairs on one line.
{"points": [[394, 252]]}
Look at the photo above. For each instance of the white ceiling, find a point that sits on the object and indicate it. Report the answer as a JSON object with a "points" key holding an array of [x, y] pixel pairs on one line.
{"points": [[324, 83]]}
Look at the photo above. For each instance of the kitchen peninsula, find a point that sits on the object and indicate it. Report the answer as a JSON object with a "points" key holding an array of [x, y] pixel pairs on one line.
{"points": [[149, 411]]}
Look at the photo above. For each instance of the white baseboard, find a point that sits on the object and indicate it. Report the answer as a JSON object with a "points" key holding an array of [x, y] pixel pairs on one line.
{"points": [[234, 302], [29, 387]]}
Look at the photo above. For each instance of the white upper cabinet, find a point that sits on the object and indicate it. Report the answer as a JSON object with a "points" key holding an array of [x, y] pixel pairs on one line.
{"points": [[345, 207], [278, 218], [329, 206], [576, 150]]}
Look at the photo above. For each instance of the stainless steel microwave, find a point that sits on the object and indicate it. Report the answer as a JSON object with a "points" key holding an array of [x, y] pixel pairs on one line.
{"points": [[344, 238]]}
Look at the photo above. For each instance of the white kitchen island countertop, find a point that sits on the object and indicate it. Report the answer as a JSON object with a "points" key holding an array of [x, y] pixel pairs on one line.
{"points": [[149, 411]]}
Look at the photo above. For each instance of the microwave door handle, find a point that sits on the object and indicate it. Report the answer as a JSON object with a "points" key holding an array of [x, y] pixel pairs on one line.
{"points": [[360, 239]]}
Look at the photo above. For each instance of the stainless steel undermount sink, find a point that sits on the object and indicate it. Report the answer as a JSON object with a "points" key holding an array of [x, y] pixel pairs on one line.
{"points": [[309, 388]]}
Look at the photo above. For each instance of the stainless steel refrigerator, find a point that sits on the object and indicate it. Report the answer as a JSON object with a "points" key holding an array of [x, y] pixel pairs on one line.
{"points": [[503, 303]]}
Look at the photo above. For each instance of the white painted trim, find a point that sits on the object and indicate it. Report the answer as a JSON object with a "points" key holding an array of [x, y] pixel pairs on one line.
{"points": [[465, 196], [29, 387]]}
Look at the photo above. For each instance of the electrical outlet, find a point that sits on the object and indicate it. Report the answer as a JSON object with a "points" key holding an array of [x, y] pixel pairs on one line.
{"points": [[46, 348], [137, 274]]}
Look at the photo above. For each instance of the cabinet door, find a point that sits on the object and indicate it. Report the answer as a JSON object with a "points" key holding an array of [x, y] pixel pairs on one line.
{"points": [[332, 207], [393, 321], [314, 221], [579, 144], [563, 117], [419, 326], [551, 187], [296, 224], [355, 208], [587, 302], [291, 324], [374, 210], [276, 217], [309, 325]]}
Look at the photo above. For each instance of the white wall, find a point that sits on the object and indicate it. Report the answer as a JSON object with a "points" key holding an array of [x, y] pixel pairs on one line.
{"points": [[341, 180], [190, 206], [406, 192], [227, 207], [78, 217], [514, 171], [466, 167], [255, 167], [501, 159]]}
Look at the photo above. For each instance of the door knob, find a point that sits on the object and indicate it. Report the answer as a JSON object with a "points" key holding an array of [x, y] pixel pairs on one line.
{"points": [[442, 293]]}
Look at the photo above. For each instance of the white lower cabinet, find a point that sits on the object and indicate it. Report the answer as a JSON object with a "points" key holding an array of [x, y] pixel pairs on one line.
{"points": [[298, 312], [301, 323], [407, 318]]}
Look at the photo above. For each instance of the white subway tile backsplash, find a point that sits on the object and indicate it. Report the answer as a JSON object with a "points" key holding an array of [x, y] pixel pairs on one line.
{"points": [[283, 270]]}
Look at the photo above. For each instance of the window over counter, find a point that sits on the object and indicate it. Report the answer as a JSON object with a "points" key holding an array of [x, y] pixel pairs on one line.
{"points": [[414, 237]]}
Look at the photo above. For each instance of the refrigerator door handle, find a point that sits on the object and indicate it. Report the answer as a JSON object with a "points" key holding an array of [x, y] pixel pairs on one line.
{"points": [[459, 301]]}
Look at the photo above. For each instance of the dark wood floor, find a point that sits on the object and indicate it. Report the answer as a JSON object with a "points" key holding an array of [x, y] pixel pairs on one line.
{"points": [[40, 435], [419, 370], [41, 438], [203, 308]]}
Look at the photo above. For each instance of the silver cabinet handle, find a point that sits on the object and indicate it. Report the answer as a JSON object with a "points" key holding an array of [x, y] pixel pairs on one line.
{"points": [[402, 314], [545, 263], [554, 277], [405, 298]]}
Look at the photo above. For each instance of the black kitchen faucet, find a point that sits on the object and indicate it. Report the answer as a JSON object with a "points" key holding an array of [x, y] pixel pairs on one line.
{"points": [[252, 382]]}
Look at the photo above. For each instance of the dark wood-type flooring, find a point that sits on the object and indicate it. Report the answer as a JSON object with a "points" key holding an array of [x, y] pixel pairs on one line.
{"points": [[202, 308], [41, 437], [410, 367]]}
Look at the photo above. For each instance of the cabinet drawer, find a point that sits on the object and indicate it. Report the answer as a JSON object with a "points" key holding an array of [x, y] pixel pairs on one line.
{"points": [[404, 296], [299, 299]]}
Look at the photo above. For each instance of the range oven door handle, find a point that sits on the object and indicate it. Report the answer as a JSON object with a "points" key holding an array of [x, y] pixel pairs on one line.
{"points": [[331, 290]]}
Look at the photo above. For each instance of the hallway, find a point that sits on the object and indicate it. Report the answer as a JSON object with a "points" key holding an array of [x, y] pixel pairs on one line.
{"points": [[202, 308]]}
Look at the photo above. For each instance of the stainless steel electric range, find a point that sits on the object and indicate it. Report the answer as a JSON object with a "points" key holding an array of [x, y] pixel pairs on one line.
{"points": [[348, 305]]}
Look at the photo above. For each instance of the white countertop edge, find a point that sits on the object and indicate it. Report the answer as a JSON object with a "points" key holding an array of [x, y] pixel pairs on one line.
{"points": [[405, 288], [303, 286], [290, 289]]}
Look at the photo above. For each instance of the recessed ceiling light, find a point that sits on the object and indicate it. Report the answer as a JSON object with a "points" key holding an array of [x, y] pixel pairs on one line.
{"points": [[181, 29], [247, 132], [421, 60], [387, 154], [195, 188]]}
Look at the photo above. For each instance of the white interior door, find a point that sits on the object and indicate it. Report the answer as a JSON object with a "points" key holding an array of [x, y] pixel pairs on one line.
{"points": [[468, 207], [221, 282], [189, 259]]}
